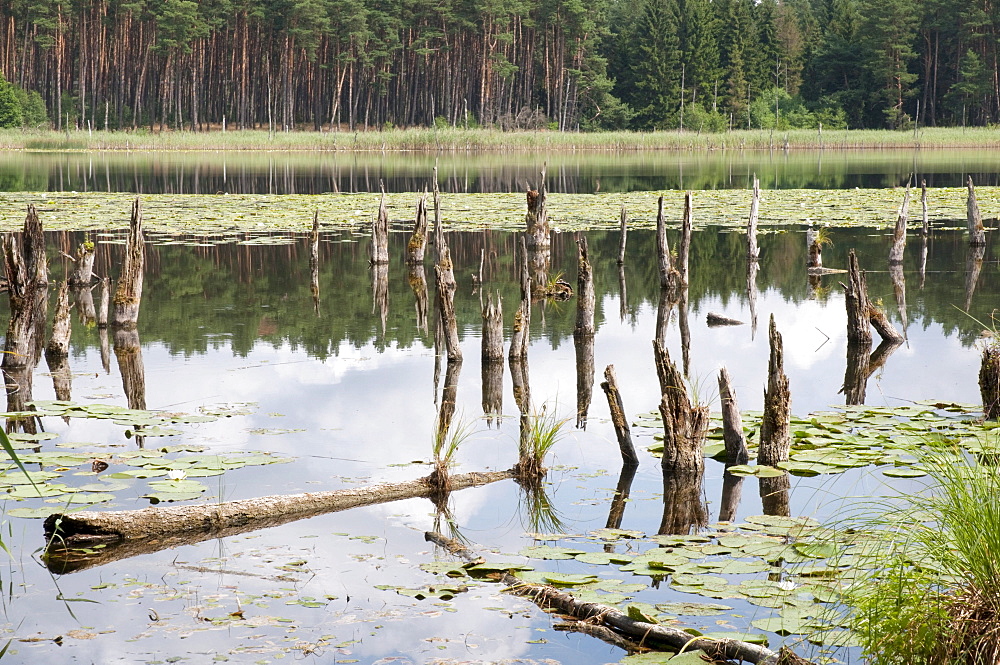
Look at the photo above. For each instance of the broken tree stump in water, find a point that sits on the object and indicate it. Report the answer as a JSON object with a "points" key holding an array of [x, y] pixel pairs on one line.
{"points": [[669, 277], [522, 317], [753, 251], [537, 219], [130, 533], [732, 422], [83, 271], [418, 240], [989, 380], [775, 438], [379, 252], [58, 346], [923, 204], [446, 304], [585, 299], [899, 233], [102, 311], [685, 425], [977, 232], [623, 236], [128, 295], [618, 419], [684, 247], [861, 311], [492, 329], [314, 261], [26, 269]]}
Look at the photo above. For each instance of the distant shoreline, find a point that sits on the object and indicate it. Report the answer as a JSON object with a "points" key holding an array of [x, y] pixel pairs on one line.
{"points": [[489, 140]]}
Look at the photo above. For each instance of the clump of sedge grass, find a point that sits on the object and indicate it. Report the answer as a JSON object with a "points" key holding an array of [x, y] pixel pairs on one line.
{"points": [[935, 596], [447, 441], [545, 429]]}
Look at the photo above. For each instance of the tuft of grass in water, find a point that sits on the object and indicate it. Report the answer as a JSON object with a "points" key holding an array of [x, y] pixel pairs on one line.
{"points": [[544, 431], [447, 442], [934, 597]]}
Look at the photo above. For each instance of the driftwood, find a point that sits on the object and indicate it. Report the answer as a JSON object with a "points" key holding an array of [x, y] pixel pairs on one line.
{"points": [[128, 295], [623, 237], [753, 251], [732, 422], [989, 380], [522, 317], [492, 329], [129, 533], [417, 245], [649, 634], [899, 233], [585, 301], [775, 438], [716, 320], [685, 425], [618, 419], [379, 252], [977, 232], [58, 346]]}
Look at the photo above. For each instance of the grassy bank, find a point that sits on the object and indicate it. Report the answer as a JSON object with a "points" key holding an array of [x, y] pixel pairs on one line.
{"points": [[453, 139]]}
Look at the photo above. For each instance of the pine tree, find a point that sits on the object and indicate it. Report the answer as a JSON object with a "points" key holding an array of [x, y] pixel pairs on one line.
{"points": [[657, 69]]}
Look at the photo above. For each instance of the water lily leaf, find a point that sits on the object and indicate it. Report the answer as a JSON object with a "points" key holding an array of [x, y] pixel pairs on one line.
{"points": [[21, 478], [496, 567], [642, 612], [616, 534], [178, 486], [816, 550], [569, 579], [549, 552], [784, 625], [24, 436], [602, 558], [752, 638], [36, 491], [730, 566], [35, 513], [88, 497], [448, 568], [693, 609], [904, 472]]}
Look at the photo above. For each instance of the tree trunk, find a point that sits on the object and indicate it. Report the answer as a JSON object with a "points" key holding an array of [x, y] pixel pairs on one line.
{"points": [[684, 425], [732, 423], [83, 272], [753, 252], [380, 234], [537, 220], [446, 287], [522, 317], [618, 419], [684, 250], [973, 268], [585, 299], [815, 249], [418, 240], [662, 247], [58, 346], [623, 237], [977, 233], [775, 439], [492, 329], [899, 233], [856, 297], [989, 380], [128, 295], [26, 269]]}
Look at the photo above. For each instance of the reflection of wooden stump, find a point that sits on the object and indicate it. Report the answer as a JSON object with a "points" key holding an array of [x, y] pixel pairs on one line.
{"points": [[129, 354], [856, 375], [684, 508], [522, 390], [380, 292], [418, 284], [492, 390], [732, 492], [774, 494], [973, 266], [584, 345], [18, 386], [85, 309], [62, 377], [449, 398], [620, 499]]}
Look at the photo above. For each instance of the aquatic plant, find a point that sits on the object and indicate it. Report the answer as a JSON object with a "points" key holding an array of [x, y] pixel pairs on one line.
{"points": [[934, 595], [447, 441], [544, 431]]}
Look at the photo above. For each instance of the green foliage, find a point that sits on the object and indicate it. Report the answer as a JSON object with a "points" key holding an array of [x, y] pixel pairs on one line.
{"points": [[11, 112], [33, 108]]}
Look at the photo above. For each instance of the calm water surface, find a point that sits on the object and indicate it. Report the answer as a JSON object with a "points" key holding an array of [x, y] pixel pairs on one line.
{"points": [[352, 397]]}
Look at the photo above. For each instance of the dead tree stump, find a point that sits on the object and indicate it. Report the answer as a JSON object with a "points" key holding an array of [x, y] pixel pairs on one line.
{"points": [[492, 329], [923, 204], [753, 251], [128, 294], [380, 234], [775, 439], [684, 248], [663, 248], [684, 424], [623, 237], [58, 346], [522, 317], [446, 287], [26, 269], [83, 271], [314, 260], [618, 419], [417, 245], [989, 380], [899, 233], [732, 422], [418, 284], [585, 301], [814, 245], [861, 311], [977, 232], [537, 220]]}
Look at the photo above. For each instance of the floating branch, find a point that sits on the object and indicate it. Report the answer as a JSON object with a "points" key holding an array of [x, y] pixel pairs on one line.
{"points": [[899, 233], [977, 233], [128, 295], [753, 252], [775, 439]]}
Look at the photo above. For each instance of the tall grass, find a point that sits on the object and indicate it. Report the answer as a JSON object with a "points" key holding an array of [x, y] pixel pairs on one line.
{"points": [[544, 429], [935, 595], [455, 139]]}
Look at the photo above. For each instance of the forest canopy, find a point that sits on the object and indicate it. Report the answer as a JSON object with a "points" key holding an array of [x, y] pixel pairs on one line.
{"points": [[704, 65]]}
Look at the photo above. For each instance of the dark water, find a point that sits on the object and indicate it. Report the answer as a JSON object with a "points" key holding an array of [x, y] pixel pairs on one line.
{"points": [[315, 173], [353, 398]]}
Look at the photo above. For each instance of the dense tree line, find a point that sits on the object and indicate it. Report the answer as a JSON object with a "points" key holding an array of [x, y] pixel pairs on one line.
{"points": [[705, 65]]}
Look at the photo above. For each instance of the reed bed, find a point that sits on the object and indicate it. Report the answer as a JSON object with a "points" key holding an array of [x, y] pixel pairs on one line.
{"points": [[491, 140]]}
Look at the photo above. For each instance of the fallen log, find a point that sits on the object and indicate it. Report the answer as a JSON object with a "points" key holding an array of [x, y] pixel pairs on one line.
{"points": [[648, 634], [128, 533]]}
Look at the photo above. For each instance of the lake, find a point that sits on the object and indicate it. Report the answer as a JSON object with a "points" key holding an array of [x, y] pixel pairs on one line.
{"points": [[345, 391]]}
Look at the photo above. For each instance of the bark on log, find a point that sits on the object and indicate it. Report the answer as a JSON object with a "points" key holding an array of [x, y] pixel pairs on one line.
{"points": [[753, 251], [128, 294], [585, 299], [583, 344], [58, 346], [102, 311], [417, 245], [989, 380], [522, 317], [380, 234], [649, 634], [685, 425], [493, 391], [618, 419], [775, 439], [977, 232], [129, 533], [446, 304], [899, 233], [83, 270], [492, 329], [685, 329], [732, 422], [624, 235]]}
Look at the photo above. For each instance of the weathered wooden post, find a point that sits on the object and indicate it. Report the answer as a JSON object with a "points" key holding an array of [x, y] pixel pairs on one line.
{"points": [[973, 267], [446, 287], [418, 240], [618, 419], [923, 205], [380, 234], [522, 317], [753, 252], [732, 422], [662, 247], [585, 301], [624, 234], [684, 424], [684, 249], [989, 380], [899, 233], [977, 232], [83, 271], [492, 329], [775, 439], [128, 294]]}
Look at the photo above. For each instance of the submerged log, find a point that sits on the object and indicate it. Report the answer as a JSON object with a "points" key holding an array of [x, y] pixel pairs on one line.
{"points": [[775, 438], [83, 271], [618, 419], [660, 635], [685, 425], [418, 240], [58, 346], [753, 251], [989, 380], [129, 533], [732, 422], [522, 317], [899, 233], [128, 295], [379, 252], [977, 232]]}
